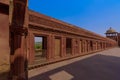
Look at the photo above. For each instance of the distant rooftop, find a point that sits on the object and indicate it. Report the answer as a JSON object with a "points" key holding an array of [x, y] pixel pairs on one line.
{"points": [[111, 30]]}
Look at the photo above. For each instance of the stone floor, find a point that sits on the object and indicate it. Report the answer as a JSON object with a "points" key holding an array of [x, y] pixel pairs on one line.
{"points": [[103, 65]]}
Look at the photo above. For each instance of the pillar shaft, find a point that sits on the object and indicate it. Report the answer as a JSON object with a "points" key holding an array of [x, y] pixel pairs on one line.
{"points": [[63, 46], [73, 46], [18, 40]]}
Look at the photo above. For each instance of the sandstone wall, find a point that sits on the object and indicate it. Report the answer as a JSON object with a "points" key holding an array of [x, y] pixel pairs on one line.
{"points": [[4, 46]]}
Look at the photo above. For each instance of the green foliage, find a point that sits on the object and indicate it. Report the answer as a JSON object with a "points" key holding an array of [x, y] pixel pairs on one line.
{"points": [[38, 45]]}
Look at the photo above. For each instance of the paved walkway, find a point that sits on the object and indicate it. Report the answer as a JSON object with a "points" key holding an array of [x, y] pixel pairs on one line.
{"points": [[103, 65]]}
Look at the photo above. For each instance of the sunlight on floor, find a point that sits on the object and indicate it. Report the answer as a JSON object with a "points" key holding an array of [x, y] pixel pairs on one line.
{"points": [[62, 75]]}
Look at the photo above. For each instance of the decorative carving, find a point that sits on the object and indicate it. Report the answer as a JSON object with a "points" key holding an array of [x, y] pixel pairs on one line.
{"points": [[20, 31], [19, 7]]}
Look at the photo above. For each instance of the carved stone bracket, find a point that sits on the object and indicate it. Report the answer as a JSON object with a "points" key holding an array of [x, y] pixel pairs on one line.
{"points": [[19, 31]]}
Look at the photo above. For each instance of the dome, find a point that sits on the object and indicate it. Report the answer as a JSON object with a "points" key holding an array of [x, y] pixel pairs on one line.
{"points": [[110, 30]]}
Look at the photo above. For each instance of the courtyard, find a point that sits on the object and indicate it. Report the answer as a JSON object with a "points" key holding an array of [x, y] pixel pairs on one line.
{"points": [[103, 65]]}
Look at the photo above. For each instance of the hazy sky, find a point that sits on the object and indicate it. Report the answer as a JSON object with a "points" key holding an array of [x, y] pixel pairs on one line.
{"points": [[94, 15]]}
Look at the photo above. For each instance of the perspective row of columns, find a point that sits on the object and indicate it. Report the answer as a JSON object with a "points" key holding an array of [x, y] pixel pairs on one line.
{"points": [[79, 46]]}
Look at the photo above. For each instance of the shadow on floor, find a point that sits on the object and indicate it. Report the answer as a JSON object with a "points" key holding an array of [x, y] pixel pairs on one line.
{"points": [[98, 67]]}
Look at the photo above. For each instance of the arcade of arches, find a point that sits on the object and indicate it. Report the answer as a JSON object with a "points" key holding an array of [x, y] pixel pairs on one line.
{"points": [[58, 40]]}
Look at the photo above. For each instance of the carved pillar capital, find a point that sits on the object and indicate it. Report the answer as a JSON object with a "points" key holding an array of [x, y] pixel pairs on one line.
{"points": [[19, 31]]}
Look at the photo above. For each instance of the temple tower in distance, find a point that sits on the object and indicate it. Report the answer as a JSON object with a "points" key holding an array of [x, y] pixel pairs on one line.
{"points": [[112, 34]]}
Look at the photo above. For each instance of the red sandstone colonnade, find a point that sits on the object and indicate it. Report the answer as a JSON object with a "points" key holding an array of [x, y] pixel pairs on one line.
{"points": [[61, 40], [70, 45]]}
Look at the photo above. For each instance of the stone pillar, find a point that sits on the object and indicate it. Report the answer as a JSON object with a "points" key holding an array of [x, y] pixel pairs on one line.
{"points": [[86, 46], [77, 45], [102, 45], [83, 46], [105, 45], [31, 49], [63, 46], [49, 48], [93, 45], [18, 42], [80, 46], [73, 46], [88, 42], [18, 59], [99, 45], [96, 46]]}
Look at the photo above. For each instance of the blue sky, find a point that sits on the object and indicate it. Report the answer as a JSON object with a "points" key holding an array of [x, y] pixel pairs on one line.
{"points": [[94, 15]]}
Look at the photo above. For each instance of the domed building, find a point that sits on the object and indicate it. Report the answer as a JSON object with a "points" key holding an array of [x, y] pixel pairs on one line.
{"points": [[109, 31], [112, 34]]}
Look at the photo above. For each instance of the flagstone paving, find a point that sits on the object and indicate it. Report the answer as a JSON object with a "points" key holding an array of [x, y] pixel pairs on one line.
{"points": [[103, 65]]}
